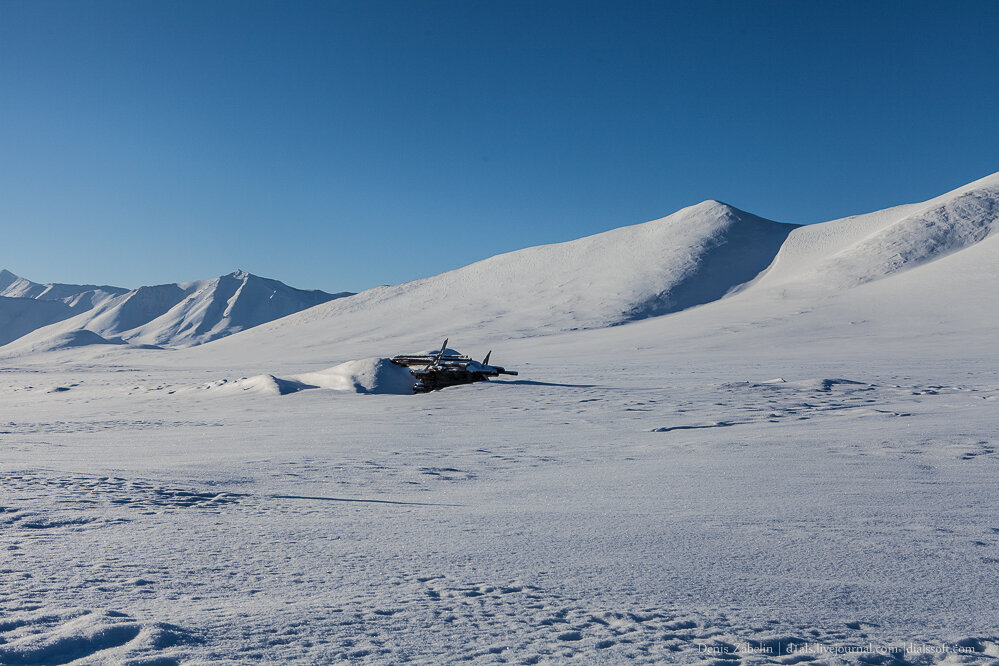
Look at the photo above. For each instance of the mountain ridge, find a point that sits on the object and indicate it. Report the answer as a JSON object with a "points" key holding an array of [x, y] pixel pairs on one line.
{"points": [[173, 315]]}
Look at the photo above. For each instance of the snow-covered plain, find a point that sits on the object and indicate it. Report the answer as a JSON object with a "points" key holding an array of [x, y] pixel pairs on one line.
{"points": [[801, 468]]}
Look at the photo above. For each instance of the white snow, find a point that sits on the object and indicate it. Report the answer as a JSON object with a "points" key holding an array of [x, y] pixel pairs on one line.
{"points": [[370, 375], [844, 253], [800, 470]]}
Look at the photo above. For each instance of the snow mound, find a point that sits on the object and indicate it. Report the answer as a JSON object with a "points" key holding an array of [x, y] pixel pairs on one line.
{"points": [[258, 385], [87, 636], [369, 375]]}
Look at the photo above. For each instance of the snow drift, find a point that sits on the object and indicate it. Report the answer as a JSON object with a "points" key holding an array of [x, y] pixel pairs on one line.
{"points": [[369, 375]]}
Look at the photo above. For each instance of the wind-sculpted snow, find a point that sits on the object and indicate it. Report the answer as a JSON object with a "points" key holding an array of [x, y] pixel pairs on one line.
{"points": [[845, 253], [917, 239], [88, 636]]}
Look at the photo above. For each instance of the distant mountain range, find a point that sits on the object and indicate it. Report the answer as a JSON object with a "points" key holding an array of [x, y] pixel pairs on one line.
{"points": [[708, 257], [40, 316]]}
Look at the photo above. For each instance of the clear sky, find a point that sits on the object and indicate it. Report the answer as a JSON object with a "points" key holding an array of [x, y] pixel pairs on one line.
{"points": [[342, 145]]}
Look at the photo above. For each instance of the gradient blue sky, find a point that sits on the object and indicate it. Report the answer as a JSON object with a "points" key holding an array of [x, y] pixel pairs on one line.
{"points": [[342, 145]]}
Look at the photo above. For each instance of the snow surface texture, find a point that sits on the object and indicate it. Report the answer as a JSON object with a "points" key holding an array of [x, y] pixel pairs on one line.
{"points": [[801, 471], [171, 315]]}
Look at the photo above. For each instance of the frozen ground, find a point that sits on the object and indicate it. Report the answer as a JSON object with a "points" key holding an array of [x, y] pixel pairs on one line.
{"points": [[799, 472], [600, 516]]}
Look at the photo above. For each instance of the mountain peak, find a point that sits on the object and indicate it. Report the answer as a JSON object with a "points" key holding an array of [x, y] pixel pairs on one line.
{"points": [[713, 209], [7, 278], [711, 203]]}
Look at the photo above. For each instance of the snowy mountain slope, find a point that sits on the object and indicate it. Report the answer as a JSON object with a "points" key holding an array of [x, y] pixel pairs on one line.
{"points": [[20, 316], [844, 253], [691, 257], [26, 306], [741, 269], [179, 315], [921, 277], [77, 296], [192, 313]]}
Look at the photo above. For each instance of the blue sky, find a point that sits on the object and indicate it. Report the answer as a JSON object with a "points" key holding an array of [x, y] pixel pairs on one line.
{"points": [[342, 145]]}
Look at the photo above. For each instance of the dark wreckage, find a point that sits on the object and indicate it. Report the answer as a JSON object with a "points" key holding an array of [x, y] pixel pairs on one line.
{"points": [[436, 371]]}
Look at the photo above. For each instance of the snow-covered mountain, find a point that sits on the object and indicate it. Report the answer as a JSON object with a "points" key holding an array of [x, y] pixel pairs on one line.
{"points": [[694, 256], [20, 316], [76, 296], [26, 305], [737, 266], [175, 315]]}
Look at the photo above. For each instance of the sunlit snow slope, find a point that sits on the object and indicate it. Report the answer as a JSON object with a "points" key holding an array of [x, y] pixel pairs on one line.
{"points": [[860, 249], [697, 255], [908, 264]]}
